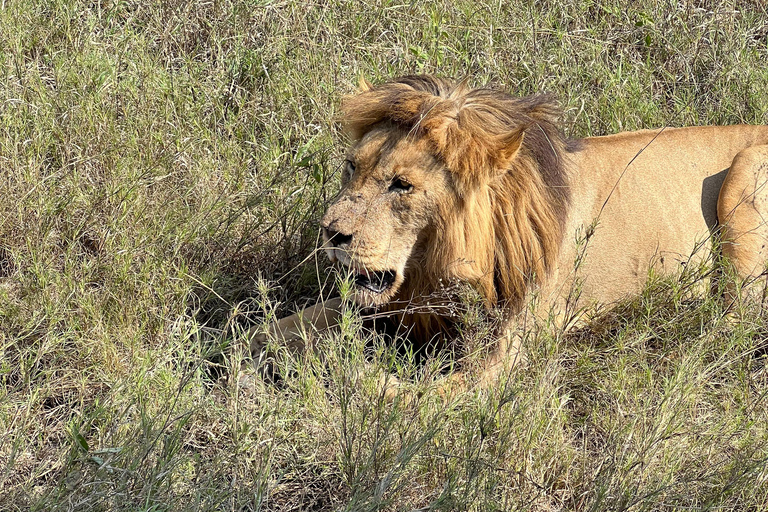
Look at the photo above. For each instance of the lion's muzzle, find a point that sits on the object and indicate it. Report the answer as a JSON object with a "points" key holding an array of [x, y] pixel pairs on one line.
{"points": [[337, 239]]}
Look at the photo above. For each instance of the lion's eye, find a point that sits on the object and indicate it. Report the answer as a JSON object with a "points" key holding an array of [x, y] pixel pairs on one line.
{"points": [[400, 185], [349, 168]]}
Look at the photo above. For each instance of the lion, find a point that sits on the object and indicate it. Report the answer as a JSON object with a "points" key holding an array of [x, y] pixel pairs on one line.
{"points": [[446, 184]]}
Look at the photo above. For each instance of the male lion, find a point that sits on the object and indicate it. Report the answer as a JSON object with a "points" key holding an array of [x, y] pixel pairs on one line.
{"points": [[445, 184]]}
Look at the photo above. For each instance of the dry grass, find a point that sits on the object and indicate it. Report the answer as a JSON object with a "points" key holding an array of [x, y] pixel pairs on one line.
{"points": [[163, 166]]}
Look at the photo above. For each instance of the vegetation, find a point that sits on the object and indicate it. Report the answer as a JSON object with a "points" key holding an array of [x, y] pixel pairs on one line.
{"points": [[163, 166]]}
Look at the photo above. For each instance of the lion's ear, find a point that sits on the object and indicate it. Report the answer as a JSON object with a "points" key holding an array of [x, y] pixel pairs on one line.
{"points": [[509, 145], [364, 85]]}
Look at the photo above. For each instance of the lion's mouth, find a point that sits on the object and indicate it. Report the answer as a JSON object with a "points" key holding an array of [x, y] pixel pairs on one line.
{"points": [[376, 282]]}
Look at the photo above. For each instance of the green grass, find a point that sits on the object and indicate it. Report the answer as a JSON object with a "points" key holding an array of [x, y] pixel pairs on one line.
{"points": [[162, 169]]}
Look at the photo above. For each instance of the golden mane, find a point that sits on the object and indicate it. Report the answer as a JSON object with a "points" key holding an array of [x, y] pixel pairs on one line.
{"points": [[506, 157]]}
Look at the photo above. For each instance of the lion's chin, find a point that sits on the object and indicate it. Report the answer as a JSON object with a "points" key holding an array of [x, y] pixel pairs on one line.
{"points": [[368, 299]]}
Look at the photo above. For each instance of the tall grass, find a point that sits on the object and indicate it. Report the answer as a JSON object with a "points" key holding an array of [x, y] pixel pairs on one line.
{"points": [[163, 166]]}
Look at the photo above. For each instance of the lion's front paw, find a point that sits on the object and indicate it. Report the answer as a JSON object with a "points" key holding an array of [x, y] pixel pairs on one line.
{"points": [[263, 356], [264, 347], [259, 343]]}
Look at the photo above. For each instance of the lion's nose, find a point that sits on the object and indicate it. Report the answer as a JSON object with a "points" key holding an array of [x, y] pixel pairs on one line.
{"points": [[337, 238]]}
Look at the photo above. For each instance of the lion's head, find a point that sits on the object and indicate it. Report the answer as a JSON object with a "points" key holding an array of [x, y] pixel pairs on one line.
{"points": [[444, 183]]}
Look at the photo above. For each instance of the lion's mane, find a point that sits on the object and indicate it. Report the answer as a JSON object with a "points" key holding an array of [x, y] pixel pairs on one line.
{"points": [[507, 158]]}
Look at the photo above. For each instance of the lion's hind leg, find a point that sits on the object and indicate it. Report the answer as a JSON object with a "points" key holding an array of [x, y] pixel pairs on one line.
{"points": [[742, 210]]}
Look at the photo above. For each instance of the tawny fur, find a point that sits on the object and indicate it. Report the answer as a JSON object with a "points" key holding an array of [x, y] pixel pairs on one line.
{"points": [[448, 184]]}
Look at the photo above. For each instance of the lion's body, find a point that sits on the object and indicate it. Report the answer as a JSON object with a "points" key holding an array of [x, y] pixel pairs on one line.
{"points": [[653, 196], [450, 185]]}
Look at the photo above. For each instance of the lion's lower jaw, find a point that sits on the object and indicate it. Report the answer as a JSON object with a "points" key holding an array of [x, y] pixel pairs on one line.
{"points": [[366, 299]]}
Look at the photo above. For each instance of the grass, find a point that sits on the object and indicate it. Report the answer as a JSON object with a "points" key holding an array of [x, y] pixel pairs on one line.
{"points": [[164, 165]]}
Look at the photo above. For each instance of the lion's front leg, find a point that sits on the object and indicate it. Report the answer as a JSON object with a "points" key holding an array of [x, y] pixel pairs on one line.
{"points": [[297, 333], [293, 332], [506, 355]]}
